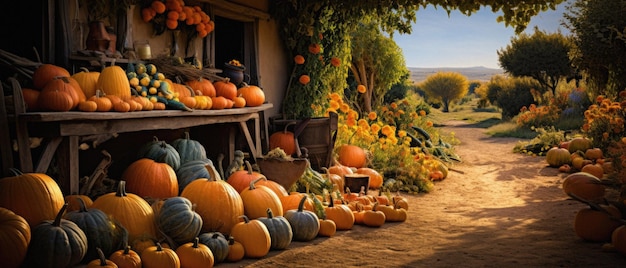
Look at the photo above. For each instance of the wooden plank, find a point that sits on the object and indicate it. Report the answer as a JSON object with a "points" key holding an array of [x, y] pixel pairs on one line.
{"points": [[48, 154], [6, 151], [21, 128]]}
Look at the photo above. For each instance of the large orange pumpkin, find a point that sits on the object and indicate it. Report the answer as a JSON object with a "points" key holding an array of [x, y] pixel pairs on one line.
{"points": [[46, 72], [283, 139], [225, 88], [241, 179], [15, 237], [34, 196], [376, 179], [61, 84], [253, 95], [148, 178], [584, 185], [87, 81], [205, 86], [352, 156]]}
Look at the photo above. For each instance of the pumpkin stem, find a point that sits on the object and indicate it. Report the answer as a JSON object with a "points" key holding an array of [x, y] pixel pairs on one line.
{"points": [[103, 259], [121, 189], [270, 214], [195, 242], [57, 220], [159, 247], [301, 204], [245, 218], [15, 172], [214, 175], [252, 187], [81, 204], [126, 250]]}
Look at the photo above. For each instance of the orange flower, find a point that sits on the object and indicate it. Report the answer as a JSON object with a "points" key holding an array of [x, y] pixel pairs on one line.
{"points": [[429, 123], [375, 128], [344, 107], [361, 89], [334, 105], [394, 105], [304, 79], [372, 115], [335, 96], [422, 113], [315, 48], [402, 133], [335, 61], [351, 122], [387, 130], [298, 59]]}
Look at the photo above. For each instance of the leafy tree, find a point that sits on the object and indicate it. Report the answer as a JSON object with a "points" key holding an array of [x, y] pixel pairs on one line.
{"points": [[599, 27], [510, 94], [542, 56], [446, 87], [377, 63]]}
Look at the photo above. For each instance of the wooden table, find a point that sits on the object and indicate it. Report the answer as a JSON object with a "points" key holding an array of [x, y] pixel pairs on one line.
{"points": [[62, 130]]}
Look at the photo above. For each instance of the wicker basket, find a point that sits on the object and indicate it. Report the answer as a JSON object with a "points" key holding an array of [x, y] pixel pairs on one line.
{"points": [[285, 172]]}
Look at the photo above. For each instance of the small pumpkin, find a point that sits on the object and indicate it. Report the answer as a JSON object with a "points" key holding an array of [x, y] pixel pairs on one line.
{"points": [[374, 217], [159, 257], [304, 224], [292, 201], [279, 229], [236, 252], [15, 234], [195, 255], [56, 243], [225, 88], [87, 81], [579, 144], [126, 258], [596, 223], [88, 106], [178, 221], [328, 228], [31, 97], [557, 157], [217, 243], [219, 103], [253, 95], [341, 214], [241, 179], [594, 153], [253, 236], [283, 139], [257, 199], [101, 261], [618, 239], [594, 169], [148, 178], [189, 149], [104, 103]]}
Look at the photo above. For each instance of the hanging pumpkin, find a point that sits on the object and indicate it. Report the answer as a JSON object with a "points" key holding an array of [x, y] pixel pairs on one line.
{"points": [[87, 81], [189, 149], [56, 243], [148, 178], [205, 86], [351, 156], [217, 202], [34, 196], [113, 81], [217, 243], [225, 88], [190, 171], [253, 95], [253, 236], [160, 151], [257, 199], [178, 221], [283, 139], [130, 210], [101, 232], [241, 179], [195, 255], [14, 238], [304, 224], [159, 257], [46, 73], [279, 229]]}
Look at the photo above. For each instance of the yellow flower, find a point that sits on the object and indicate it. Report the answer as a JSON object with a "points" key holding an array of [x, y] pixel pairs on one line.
{"points": [[335, 97], [353, 114], [351, 122], [334, 105], [375, 128], [372, 116], [363, 122], [402, 133], [387, 130]]}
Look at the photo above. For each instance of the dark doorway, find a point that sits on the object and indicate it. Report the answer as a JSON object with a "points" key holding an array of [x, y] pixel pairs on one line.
{"points": [[229, 41]]}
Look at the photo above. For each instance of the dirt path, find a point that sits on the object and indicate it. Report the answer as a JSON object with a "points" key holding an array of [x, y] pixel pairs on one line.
{"points": [[504, 210]]}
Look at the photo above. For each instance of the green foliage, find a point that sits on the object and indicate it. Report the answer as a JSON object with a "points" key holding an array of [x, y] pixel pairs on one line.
{"points": [[542, 56], [510, 94], [446, 87], [546, 138], [598, 27]]}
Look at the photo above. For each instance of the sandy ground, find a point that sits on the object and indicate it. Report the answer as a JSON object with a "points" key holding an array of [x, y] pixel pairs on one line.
{"points": [[500, 210]]}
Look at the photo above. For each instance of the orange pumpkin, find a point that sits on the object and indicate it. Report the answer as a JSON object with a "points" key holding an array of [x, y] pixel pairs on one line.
{"points": [[351, 156], [376, 179], [148, 178], [104, 103], [87, 81], [225, 88], [584, 185], [594, 169], [283, 139], [239, 102], [241, 179], [61, 84], [15, 233], [253, 95], [46, 73], [595, 225], [31, 97], [219, 103], [205, 86]]}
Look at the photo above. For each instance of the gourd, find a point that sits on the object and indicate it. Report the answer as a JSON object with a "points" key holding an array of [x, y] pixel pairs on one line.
{"points": [[257, 199], [113, 81], [178, 221], [101, 232], [579, 144], [126, 258], [192, 170], [101, 261], [15, 236], [87, 81], [195, 255], [283, 139], [160, 151], [583, 185], [189, 149], [253, 236], [217, 202], [148, 178], [218, 244], [304, 224], [34, 196], [130, 210], [45, 73], [56, 243], [279, 229], [241, 179], [253, 95], [341, 214], [225, 88], [159, 257], [351, 156], [557, 157]]}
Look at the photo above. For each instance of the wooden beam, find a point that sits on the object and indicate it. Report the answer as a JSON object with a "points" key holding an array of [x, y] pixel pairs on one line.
{"points": [[230, 9]]}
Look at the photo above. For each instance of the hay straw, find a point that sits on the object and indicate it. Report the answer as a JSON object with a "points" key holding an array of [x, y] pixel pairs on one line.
{"points": [[171, 68]]}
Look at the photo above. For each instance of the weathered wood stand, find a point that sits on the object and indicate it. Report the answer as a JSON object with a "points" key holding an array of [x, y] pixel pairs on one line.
{"points": [[61, 131]]}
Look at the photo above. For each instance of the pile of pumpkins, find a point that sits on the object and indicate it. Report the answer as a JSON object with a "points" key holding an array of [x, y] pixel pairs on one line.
{"points": [[115, 89], [173, 209], [599, 220]]}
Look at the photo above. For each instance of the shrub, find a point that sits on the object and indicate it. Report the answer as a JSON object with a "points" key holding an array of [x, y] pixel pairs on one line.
{"points": [[511, 94]]}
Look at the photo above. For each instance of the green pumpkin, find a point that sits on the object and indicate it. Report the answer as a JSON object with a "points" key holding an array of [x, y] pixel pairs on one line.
{"points": [[178, 221], [100, 230], [160, 151], [218, 243], [189, 149], [279, 229], [56, 243], [304, 223], [192, 170]]}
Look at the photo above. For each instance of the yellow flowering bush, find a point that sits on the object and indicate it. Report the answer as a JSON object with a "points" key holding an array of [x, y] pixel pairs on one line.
{"points": [[384, 135]]}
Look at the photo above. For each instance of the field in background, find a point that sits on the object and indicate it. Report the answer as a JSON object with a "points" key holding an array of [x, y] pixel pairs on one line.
{"points": [[472, 73]]}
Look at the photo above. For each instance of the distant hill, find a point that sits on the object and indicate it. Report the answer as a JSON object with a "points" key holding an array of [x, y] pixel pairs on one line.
{"points": [[472, 73]]}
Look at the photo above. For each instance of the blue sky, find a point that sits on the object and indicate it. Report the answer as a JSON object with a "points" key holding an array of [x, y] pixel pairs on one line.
{"points": [[461, 41]]}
